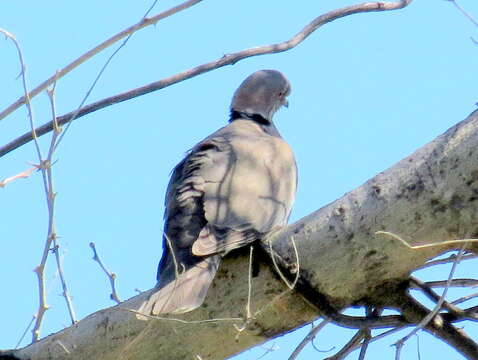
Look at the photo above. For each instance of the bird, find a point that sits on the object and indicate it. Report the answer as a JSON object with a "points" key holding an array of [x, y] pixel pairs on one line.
{"points": [[231, 189]]}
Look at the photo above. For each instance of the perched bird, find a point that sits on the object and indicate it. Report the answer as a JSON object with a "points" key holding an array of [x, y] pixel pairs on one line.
{"points": [[231, 189]]}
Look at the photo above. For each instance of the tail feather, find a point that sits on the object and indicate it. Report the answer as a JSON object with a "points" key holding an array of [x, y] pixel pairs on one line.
{"points": [[186, 293]]}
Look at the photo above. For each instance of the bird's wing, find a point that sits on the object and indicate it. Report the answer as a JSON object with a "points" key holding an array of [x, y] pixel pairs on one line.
{"points": [[230, 190], [248, 189]]}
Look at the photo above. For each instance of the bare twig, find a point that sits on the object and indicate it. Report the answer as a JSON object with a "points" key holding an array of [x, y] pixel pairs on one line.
{"points": [[454, 283], [22, 175], [310, 336], [39, 269], [418, 347], [465, 298], [249, 285], [50, 194], [464, 12], [26, 97], [25, 332], [97, 49], [229, 59], [441, 327], [45, 167], [446, 260], [269, 349], [437, 298], [354, 343], [98, 76], [291, 286], [424, 322], [111, 275]]}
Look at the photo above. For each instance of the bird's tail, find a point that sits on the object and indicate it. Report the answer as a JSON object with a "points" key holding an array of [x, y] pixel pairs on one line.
{"points": [[185, 293]]}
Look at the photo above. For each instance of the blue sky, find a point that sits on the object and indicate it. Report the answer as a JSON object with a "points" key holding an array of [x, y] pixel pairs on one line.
{"points": [[367, 90]]}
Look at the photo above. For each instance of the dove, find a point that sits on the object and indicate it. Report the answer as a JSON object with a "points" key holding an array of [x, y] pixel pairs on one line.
{"points": [[231, 189]]}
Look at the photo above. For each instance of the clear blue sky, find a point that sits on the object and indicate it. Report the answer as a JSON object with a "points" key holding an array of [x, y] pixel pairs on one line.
{"points": [[367, 91]]}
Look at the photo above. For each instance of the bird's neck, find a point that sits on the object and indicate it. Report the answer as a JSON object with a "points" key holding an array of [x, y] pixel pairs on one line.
{"points": [[254, 117], [267, 126]]}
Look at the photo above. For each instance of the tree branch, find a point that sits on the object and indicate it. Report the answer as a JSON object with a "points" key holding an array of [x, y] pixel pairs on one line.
{"points": [[111, 275], [229, 59], [97, 49], [338, 240], [439, 327]]}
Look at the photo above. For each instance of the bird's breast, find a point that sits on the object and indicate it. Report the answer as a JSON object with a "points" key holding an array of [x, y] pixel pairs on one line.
{"points": [[257, 186]]}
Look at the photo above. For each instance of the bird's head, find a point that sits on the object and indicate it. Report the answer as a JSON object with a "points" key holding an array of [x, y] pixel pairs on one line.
{"points": [[262, 93]]}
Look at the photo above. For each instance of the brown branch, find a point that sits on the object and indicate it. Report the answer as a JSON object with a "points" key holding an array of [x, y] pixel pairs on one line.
{"points": [[97, 49], [229, 59]]}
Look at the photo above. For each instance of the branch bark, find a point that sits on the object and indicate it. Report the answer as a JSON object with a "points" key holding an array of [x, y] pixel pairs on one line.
{"points": [[428, 198], [229, 59]]}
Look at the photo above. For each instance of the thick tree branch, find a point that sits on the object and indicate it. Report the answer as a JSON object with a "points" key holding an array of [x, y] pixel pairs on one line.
{"points": [[229, 59], [427, 198]]}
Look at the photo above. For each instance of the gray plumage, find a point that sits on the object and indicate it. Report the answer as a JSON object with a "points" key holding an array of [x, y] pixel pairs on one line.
{"points": [[231, 189]]}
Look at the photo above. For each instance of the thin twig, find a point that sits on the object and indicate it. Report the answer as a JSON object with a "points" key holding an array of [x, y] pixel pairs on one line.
{"points": [[291, 286], [351, 345], [435, 311], [464, 12], [270, 349], [454, 283], [446, 260], [26, 97], [23, 175], [418, 346], [111, 275], [98, 76], [441, 326], [50, 194], [97, 49], [310, 336], [39, 270], [25, 332], [249, 285], [437, 298], [465, 298], [355, 342], [229, 59]]}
